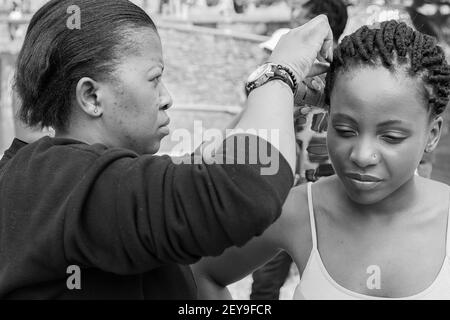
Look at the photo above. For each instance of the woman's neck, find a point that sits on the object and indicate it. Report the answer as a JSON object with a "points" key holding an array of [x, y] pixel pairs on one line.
{"points": [[84, 134]]}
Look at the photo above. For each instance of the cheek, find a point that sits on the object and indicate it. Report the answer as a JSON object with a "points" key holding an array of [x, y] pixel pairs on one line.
{"points": [[142, 107], [147, 100], [338, 149], [402, 159]]}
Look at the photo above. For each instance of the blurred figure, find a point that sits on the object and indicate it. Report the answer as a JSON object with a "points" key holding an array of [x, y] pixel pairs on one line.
{"points": [[310, 126], [431, 19], [14, 16], [226, 7], [239, 6]]}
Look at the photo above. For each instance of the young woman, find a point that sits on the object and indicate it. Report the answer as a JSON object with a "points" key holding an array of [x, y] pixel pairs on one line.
{"points": [[92, 213], [378, 231]]}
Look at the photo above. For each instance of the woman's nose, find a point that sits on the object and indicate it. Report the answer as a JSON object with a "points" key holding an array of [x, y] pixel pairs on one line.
{"points": [[364, 154], [166, 98]]}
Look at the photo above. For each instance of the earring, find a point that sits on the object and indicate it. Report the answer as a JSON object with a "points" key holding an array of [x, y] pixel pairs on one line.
{"points": [[96, 110], [374, 156], [428, 149]]}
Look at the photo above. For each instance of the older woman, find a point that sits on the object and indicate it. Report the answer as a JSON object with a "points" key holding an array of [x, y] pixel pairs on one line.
{"points": [[94, 200]]}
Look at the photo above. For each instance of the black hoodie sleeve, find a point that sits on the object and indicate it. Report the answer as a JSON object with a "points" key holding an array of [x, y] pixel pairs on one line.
{"points": [[133, 214]]}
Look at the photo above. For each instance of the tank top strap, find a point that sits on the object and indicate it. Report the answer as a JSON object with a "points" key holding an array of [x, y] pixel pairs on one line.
{"points": [[311, 216], [448, 229]]}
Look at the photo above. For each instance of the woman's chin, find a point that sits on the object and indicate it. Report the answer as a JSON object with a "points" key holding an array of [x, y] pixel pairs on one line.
{"points": [[364, 197], [154, 148], [145, 148], [364, 200]]}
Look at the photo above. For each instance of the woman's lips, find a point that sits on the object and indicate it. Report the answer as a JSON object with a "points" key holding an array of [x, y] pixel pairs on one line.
{"points": [[164, 130], [363, 181], [363, 177]]}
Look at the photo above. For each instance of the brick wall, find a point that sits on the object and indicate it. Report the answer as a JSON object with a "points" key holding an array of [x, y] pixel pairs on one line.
{"points": [[207, 67]]}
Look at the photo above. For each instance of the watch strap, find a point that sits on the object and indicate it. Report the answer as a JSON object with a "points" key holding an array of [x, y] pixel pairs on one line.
{"points": [[292, 76], [279, 73]]}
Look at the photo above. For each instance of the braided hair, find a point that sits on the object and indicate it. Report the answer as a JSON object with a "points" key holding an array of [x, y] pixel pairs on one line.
{"points": [[395, 44]]}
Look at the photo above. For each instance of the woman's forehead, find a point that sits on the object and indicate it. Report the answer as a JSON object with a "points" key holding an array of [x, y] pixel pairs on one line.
{"points": [[377, 91], [141, 53], [143, 42]]}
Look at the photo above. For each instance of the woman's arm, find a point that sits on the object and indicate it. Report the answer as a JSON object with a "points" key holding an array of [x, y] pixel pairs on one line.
{"points": [[270, 107], [214, 274]]}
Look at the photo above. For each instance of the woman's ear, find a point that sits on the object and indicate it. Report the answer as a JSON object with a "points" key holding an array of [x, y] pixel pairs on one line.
{"points": [[434, 134], [86, 97]]}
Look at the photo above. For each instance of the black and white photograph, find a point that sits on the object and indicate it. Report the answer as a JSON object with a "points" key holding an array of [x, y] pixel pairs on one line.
{"points": [[248, 150]]}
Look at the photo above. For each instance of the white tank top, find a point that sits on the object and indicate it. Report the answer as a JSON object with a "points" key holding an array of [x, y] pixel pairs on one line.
{"points": [[317, 284]]}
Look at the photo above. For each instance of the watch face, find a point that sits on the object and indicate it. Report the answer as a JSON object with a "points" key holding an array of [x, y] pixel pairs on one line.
{"points": [[259, 72]]}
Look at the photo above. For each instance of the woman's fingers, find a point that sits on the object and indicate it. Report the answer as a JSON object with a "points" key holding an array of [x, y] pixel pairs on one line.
{"points": [[314, 83], [300, 47], [318, 68]]}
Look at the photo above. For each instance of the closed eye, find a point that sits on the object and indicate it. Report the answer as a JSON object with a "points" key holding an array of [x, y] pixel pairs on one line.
{"points": [[393, 139], [345, 132]]}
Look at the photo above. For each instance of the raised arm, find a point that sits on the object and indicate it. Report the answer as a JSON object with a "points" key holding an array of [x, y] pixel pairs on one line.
{"points": [[271, 106], [147, 211]]}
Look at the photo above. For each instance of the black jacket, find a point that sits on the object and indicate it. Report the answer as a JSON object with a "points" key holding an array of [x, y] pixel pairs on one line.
{"points": [[133, 224]]}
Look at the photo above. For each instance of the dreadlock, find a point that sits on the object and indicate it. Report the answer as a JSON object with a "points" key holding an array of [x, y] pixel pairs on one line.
{"points": [[393, 44]]}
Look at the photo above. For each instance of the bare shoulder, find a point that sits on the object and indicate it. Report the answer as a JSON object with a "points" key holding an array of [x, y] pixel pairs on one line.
{"points": [[295, 203], [293, 227], [434, 192], [436, 185], [296, 207]]}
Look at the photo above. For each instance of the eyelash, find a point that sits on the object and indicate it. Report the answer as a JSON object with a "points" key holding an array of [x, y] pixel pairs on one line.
{"points": [[393, 140], [346, 133], [156, 80]]}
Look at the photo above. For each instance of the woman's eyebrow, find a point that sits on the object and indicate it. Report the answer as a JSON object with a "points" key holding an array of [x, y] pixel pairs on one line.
{"points": [[390, 123], [342, 117]]}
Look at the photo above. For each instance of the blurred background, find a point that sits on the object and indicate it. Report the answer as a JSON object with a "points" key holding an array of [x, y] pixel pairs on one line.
{"points": [[210, 47]]}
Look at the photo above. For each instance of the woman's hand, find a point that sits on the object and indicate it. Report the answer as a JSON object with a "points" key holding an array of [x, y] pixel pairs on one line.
{"points": [[300, 47], [270, 107]]}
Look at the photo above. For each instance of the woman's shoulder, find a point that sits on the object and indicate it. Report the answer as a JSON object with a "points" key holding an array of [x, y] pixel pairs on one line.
{"points": [[298, 200], [433, 183], [433, 191], [294, 228], [295, 221]]}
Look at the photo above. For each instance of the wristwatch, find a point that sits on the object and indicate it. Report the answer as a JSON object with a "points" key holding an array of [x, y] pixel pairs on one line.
{"points": [[270, 71]]}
